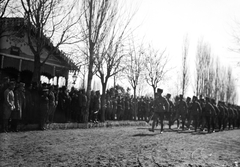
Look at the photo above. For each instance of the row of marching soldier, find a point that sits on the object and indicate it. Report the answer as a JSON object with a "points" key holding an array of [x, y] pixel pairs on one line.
{"points": [[196, 113]]}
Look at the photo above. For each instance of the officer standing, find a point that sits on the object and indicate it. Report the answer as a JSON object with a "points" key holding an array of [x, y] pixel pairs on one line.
{"points": [[189, 112], [44, 108], [169, 114], [183, 110]]}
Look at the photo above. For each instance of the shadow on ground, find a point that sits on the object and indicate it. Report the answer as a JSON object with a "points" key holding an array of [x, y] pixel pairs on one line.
{"points": [[145, 134]]}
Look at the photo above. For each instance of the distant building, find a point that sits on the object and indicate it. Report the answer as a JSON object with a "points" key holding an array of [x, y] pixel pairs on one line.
{"points": [[17, 60]]}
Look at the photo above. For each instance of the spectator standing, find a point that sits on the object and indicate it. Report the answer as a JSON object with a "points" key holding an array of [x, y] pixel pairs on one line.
{"points": [[9, 105], [52, 104], [20, 105], [44, 108]]}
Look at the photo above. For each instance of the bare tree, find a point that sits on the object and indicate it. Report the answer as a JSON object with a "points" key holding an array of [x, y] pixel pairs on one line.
{"points": [[176, 85], [3, 7], [110, 53], [203, 60], [222, 83], [50, 24], [98, 16], [230, 87], [155, 63], [216, 82], [7, 7], [134, 68], [108, 64], [185, 68], [236, 36], [134, 65]]}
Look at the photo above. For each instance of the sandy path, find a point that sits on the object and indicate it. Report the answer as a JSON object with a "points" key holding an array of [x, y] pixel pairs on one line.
{"points": [[119, 146]]}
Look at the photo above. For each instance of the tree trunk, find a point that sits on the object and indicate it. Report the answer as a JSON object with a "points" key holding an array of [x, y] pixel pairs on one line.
{"points": [[89, 83], [103, 101], [86, 115], [183, 86], [134, 107], [37, 69], [154, 91]]}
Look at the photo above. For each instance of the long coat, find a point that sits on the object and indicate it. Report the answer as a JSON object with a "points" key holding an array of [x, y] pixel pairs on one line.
{"points": [[20, 104], [8, 103]]}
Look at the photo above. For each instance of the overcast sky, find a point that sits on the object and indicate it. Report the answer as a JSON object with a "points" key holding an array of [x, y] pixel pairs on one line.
{"points": [[164, 23]]}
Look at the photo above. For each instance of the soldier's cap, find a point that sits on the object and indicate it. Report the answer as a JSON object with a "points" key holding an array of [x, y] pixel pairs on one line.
{"points": [[181, 96], [12, 83], [159, 90], [169, 95], [6, 78], [213, 100], [188, 98], [45, 90], [21, 84], [194, 97], [51, 87]]}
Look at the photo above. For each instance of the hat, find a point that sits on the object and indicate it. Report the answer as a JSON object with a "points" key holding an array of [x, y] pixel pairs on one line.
{"points": [[6, 78], [21, 84], [45, 90], [213, 100], [169, 95], [51, 87], [159, 90], [180, 96]]}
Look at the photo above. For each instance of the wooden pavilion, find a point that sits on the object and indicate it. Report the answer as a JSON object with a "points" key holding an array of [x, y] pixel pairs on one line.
{"points": [[17, 60]]}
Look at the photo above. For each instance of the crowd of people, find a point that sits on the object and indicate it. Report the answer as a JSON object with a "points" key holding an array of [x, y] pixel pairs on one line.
{"points": [[30, 104]]}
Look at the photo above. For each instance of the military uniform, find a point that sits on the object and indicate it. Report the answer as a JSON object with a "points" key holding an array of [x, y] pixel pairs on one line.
{"points": [[189, 113], [221, 116], [169, 114], [20, 105], [82, 107], [52, 105], [183, 110], [215, 114], [44, 108], [196, 111], [209, 111], [161, 105], [230, 116]]}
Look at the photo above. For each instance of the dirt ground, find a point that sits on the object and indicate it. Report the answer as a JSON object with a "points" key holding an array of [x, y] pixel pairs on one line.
{"points": [[119, 146]]}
